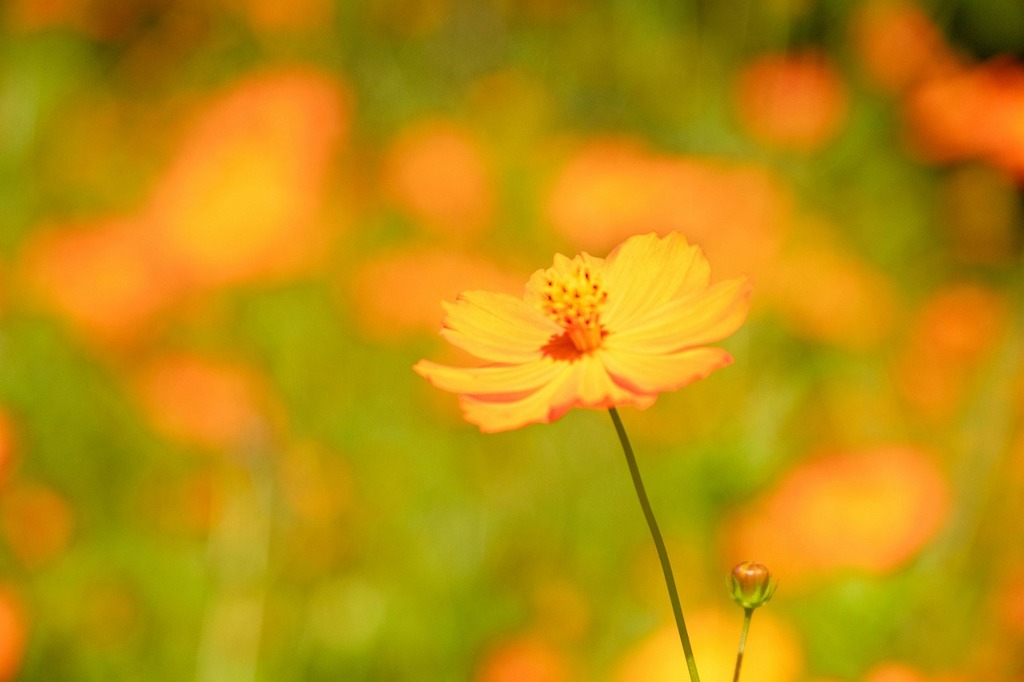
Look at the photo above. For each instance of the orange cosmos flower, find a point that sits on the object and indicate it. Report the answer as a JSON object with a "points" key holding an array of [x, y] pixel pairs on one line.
{"points": [[591, 332]]}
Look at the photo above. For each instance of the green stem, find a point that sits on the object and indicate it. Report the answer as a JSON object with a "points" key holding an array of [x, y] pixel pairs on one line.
{"points": [[747, 613], [659, 543]]}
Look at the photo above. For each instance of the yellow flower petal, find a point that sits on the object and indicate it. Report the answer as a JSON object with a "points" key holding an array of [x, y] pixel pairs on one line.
{"points": [[696, 319], [643, 373], [545, 405], [583, 382], [647, 271], [497, 327], [598, 389], [493, 380], [491, 349]]}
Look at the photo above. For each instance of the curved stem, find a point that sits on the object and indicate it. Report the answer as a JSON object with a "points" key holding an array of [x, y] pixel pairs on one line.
{"points": [[659, 543], [747, 613]]}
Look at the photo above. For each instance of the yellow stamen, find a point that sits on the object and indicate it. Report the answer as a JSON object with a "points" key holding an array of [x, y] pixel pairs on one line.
{"points": [[573, 298]]}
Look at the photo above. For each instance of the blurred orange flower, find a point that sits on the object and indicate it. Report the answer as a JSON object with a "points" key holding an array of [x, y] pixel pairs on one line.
{"points": [[898, 44], [613, 188], [203, 402], [794, 101], [951, 334], [900, 672], [7, 446], [241, 198], [102, 276], [29, 15], [591, 332], [4, 285], [13, 634], [424, 276], [869, 510], [37, 523], [436, 171], [294, 15], [524, 658], [1005, 115], [102, 21], [944, 116], [773, 654], [971, 112], [410, 17]]}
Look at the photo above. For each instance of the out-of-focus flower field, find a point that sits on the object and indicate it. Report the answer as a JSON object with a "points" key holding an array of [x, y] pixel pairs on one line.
{"points": [[226, 229]]}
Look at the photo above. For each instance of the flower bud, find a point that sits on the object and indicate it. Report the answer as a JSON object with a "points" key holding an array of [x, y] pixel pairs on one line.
{"points": [[751, 584]]}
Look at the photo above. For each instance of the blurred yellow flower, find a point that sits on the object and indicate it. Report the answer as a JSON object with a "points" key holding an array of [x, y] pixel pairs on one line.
{"points": [[242, 197], [774, 653], [591, 332]]}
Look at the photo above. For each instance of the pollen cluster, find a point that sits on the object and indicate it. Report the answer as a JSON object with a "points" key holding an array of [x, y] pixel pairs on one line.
{"points": [[573, 298]]}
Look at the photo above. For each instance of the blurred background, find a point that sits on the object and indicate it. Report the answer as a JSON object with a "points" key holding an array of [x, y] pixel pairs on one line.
{"points": [[226, 229]]}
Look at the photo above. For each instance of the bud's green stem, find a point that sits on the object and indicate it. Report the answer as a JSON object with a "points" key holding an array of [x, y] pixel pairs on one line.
{"points": [[747, 613]]}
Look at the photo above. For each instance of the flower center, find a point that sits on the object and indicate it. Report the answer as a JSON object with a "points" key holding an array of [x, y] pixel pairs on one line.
{"points": [[573, 298]]}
